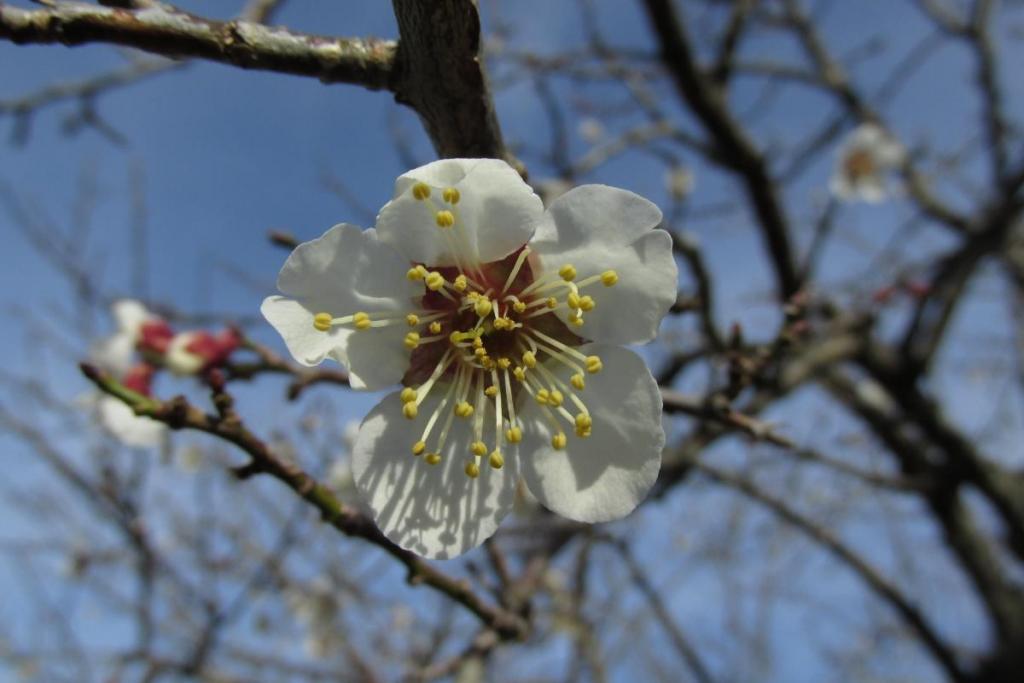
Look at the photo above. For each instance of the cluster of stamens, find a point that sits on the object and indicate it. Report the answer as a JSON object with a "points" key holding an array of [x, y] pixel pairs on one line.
{"points": [[490, 346]]}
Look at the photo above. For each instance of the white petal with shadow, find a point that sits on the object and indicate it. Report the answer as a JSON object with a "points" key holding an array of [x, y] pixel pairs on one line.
{"points": [[606, 475], [433, 510], [597, 228], [495, 215]]}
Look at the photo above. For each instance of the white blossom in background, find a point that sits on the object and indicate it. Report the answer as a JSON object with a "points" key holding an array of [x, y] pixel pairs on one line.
{"points": [[679, 182], [591, 130], [118, 354], [505, 324], [863, 165]]}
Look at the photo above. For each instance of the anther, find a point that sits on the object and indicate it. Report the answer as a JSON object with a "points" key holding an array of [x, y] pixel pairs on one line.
{"points": [[480, 352], [478, 448], [504, 363], [412, 340], [361, 321], [519, 374], [435, 281], [567, 272], [472, 469], [594, 364], [483, 307], [415, 274], [551, 302], [410, 410], [460, 283], [463, 409], [583, 425], [555, 398], [514, 434], [491, 391], [421, 191], [435, 327], [529, 359], [444, 219], [575, 319], [451, 195], [322, 321], [432, 458], [542, 396], [577, 382], [558, 441], [496, 460], [418, 448], [573, 300], [412, 320], [408, 394], [609, 278], [519, 307], [587, 302]]}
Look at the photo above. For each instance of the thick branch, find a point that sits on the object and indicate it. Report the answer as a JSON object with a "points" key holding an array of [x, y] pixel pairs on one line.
{"points": [[249, 45], [439, 74], [179, 414]]}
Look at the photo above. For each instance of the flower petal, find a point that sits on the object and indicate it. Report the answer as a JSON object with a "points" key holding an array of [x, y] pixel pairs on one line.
{"points": [[433, 510], [496, 212], [129, 315], [597, 228], [345, 271], [606, 475], [127, 427], [115, 354]]}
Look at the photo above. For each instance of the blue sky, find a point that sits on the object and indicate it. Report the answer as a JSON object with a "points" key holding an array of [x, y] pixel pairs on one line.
{"points": [[227, 155]]}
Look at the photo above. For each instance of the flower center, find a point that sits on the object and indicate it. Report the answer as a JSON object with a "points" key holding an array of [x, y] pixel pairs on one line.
{"points": [[488, 337]]}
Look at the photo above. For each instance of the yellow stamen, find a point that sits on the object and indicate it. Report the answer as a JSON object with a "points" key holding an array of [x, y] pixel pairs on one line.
{"points": [[558, 441], [322, 321], [361, 321], [412, 320], [408, 394], [594, 364], [519, 307], [573, 300], [418, 448], [519, 374], [496, 460], [444, 219], [461, 283], [530, 359], [472, 469], [491, 391], [412, 340], [504, 363], [551, 302], [483, 307], [567, 272], [432, 458], [478, 448], [451, 195], [587, 303], [421, 191], [609, 278], [435, 281], [583, 425], [555, 398], [409, 410], [577, 381], [463, 409], [514, 434]]}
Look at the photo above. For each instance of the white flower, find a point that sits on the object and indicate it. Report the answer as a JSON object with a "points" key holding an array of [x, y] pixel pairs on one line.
{"points": [[679, 182], [865, 158], [504, 324], [116, 353], [130, 429]]}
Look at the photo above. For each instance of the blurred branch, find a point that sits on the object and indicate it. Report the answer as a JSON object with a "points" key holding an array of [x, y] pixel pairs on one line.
{"points": [[177, 34], [178, 413]]}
